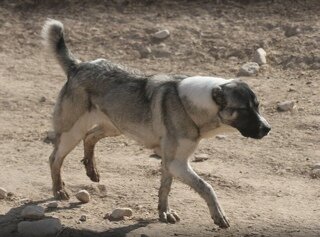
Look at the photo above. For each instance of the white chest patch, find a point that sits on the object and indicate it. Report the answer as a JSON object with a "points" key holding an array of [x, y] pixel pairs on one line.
{"points": [[198, 90]]}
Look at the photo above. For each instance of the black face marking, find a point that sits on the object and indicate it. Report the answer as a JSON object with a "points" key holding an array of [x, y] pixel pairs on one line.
{"points": [[243, 103]]}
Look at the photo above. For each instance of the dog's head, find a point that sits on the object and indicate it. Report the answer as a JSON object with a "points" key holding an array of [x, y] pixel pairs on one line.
{"points": [[239, 108]]}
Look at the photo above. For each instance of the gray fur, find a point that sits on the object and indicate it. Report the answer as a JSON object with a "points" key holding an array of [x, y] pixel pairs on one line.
{"points": [[103, 99]]}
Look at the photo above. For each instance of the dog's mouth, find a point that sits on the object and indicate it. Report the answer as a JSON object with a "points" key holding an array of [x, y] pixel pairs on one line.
{"points": [[262, 132]]}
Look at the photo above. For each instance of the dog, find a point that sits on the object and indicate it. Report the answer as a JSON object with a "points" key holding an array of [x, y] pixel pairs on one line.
{"points": [[167, 113]]}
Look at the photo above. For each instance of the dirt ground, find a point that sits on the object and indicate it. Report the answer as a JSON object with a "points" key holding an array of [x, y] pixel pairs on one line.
{"points": [[264, 185]]}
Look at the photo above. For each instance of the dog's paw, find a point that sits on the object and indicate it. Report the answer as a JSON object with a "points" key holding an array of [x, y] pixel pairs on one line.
{"points": [[93, 175], [61, 195], [222, 222], [169, 217]]}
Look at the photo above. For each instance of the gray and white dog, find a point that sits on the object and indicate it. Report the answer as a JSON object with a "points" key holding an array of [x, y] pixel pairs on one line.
{"points": [[167, 113]]}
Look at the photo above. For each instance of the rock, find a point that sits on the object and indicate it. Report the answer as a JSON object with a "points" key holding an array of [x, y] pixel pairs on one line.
{"points": [[162, 34], [221, 137], [83, 196], [315, 173], [120, 213], [144, 51], [40, 228], [200, 157], [249, 69], [260, 56], [32, 212], [42, 99], [315, 166], [3, 193], [54, 204], [50, 138], [285, 106], [83, 218]]}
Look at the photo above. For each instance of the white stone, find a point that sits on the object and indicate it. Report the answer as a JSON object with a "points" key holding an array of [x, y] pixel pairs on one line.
{"points": [[249, 69], [40, 228], [120, 213], [162, 34], [260, 56], [83, 196], [32, 212], [285, 106], [3, 193]]}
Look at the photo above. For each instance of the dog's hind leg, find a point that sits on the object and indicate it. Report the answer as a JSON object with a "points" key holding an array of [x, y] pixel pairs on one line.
{"points": [[89, 142], [105, 129], [64, 144]]}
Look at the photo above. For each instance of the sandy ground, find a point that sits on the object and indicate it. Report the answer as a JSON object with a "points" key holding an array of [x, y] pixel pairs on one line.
{"points": [[264, 186]]}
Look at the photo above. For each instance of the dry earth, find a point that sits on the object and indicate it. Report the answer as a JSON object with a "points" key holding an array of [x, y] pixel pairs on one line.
{"points": [[264, 186]]}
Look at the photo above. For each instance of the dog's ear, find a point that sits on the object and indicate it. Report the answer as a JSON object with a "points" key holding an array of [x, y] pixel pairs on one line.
{"points": [[219, 97]]}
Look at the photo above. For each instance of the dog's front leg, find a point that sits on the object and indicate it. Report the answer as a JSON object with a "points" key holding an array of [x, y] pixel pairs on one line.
{"points": [[165, 213], [180, 168]]}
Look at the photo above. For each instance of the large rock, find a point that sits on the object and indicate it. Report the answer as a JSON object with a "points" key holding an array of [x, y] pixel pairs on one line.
{"points": [[40, 228], [249, 69], [260, 56], [32, 212]]}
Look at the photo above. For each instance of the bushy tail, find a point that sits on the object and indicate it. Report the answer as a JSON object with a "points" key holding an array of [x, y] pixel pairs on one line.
{"points": [[53, 35]]}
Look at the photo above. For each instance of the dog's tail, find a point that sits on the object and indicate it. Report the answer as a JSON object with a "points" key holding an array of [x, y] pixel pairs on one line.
{"points": [[53, 35]]}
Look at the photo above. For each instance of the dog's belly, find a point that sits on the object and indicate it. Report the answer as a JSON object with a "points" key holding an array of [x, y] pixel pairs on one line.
{"points": [[142, 133]]}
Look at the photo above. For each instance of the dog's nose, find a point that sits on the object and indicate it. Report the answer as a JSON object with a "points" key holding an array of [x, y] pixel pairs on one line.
{"points": [[265, 129]]}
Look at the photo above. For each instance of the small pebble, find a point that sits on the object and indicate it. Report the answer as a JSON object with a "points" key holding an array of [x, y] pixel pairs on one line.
{"points": [[32, 212], [120, 213], [315, 173], [42, 99], [249, 69], [83, 218], [3, 193], [162, 34], [285, 106], [260, 56], [200, 157], [52, 204], [83, 196], [221, 137], [144, 52], [315, 166]]}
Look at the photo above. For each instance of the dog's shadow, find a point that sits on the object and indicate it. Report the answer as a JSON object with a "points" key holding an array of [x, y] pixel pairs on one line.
{"points": [[10, 220], [114, 232]]}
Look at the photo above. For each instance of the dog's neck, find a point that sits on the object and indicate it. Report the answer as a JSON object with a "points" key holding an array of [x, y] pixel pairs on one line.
{"points": [[207, 122]]}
